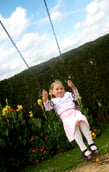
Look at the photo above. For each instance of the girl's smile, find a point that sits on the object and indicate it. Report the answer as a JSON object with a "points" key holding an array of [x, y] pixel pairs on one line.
{"points": [[58, 90]]}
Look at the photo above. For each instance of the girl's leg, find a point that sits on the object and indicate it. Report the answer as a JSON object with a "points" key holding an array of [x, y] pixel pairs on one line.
{"points": [[82, 146], [86, 132], [79, 139]]}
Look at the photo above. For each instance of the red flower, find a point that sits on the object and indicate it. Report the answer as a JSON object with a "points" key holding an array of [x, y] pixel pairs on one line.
{"points": [[12, 110], [45, 151], [37, 161], [98, 130], [94, 130], [32, 139], [41, 149], [33, 150], [45, 138]]}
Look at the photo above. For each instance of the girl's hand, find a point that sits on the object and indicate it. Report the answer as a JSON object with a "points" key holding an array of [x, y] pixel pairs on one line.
{"points": [[45, 95], [70, 84]]}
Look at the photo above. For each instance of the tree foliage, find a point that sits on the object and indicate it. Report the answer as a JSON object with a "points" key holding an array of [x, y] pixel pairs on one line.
{"points": [[87, 66]]}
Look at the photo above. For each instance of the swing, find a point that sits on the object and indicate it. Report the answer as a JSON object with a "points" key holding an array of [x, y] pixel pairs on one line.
{"points": [[55, 38], [76, 102], [28, 67], [60, 54]]}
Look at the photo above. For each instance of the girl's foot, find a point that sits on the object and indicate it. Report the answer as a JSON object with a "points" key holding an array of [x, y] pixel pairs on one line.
{"points": [[87, 155], [95, 151]]}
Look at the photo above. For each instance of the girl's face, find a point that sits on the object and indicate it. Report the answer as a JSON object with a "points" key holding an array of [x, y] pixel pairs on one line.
{"points": [[58, 90]]}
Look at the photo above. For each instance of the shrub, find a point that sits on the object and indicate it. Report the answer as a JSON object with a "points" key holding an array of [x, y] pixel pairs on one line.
{"points": [[14, 139], [26, 140]]}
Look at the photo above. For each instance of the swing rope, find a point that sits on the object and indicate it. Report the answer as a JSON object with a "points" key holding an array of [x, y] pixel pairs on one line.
{"points": [[54, 33], [20, 54], [28, 67]]}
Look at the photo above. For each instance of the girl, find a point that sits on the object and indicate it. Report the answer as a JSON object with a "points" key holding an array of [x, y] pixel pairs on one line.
{"points": [[74, 122]]}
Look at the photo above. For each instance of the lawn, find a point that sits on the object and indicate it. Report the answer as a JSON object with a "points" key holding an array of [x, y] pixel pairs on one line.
{"points": [[68, 160]]}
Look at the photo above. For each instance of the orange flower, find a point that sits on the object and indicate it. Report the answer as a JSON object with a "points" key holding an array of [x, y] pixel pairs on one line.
{"points": [[97, 159], [50, 92]]}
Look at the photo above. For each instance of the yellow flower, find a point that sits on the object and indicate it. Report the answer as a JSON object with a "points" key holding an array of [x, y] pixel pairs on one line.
{"points": [[19, 108], [93, 135], [79, 97], [5, 111], [7, 107], [39, 101], [31, 114]]}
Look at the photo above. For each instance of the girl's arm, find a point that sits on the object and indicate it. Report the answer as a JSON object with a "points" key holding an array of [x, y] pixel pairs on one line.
{"points": [[46, 102], [75, 93], [44, 95], [71, 85]]}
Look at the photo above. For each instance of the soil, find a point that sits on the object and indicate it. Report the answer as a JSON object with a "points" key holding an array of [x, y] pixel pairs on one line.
{"points": [[102, 165]]}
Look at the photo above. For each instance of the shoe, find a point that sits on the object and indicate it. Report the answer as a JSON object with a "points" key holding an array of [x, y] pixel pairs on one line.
{"points": [[87, 157], [95, 151]]}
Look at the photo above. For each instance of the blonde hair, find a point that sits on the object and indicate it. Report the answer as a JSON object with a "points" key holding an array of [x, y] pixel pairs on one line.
{"points": [[51, 87]]}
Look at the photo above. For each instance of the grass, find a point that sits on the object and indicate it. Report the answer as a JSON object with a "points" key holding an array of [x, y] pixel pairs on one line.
{"points": [[68, 160]]}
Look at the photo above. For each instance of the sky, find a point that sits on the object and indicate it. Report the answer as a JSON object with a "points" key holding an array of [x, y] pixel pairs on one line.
{"points": [[75, 22]]}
